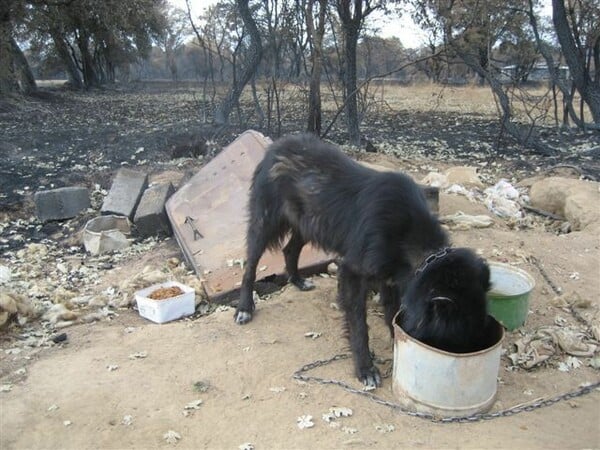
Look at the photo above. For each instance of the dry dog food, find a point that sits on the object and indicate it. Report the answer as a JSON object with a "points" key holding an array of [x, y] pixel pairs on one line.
{"points": [[165, 293]]}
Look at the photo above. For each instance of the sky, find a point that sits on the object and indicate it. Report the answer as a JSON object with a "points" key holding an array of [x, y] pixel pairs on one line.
{"points": [[404, 28], [409, 34]]}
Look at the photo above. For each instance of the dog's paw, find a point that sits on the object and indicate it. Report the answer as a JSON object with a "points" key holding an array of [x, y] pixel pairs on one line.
{"points": [[242, 317], [370, 377], [303, 284]]}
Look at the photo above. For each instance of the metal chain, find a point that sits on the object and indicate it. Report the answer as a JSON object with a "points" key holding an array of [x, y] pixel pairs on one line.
{"points": [[557, 290], [526, 407], [433, 257], [537, 264]]}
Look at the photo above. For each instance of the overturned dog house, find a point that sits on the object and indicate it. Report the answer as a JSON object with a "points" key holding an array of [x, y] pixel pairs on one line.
{"points": [[209, 216]]}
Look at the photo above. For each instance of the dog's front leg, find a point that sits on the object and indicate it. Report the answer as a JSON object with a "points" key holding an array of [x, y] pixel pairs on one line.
{"points": [[352, 297], [388, 293], [391, 292]]}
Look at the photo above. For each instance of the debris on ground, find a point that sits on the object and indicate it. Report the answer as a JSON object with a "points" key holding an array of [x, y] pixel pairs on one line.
{"points": [[339, 411], [538, 346], [171, 437], [106, 234], [385, 428], [127, 420], [138, 355], [463, 222], [305, 421], [503, 200], [191, 407], [312, 334]]}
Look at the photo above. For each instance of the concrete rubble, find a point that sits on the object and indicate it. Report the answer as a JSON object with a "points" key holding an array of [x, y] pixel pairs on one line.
{"points": [[61, 203], [125, 193]]}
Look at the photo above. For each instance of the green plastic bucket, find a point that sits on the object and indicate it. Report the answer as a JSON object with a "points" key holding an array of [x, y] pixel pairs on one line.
{"points": [[508, 298]]}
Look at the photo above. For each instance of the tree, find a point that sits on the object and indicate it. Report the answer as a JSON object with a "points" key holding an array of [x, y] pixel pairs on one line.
{"points": [[378, 55], [470, 30], [253, 58], [578, 32], [15, 74], [352, 14], [171, 40], [95, 38], [316, 31]]}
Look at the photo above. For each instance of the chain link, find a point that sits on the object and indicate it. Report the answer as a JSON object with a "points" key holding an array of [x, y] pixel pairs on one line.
{"points": [[433, 257], [557, 290], [544, 274], [526, 407]]}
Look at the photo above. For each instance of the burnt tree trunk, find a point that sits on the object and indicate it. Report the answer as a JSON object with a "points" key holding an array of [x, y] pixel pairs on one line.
{"points": [[8, 79], [588, 88], [15, 73], [64, 53], [525, 136], [253, 57], [23, 72], [315, 33], [351, 16], [90, 76], [564, 86]]}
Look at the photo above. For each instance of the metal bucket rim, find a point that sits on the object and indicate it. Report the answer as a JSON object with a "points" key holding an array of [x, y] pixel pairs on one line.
{"points": [[491, 348], [498, 297], [516, 270]]}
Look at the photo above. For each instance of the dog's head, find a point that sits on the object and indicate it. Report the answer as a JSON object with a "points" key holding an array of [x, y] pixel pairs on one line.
{"points": [[445, 303]]}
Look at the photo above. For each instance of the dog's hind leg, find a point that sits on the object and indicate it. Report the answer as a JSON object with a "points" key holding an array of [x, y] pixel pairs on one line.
{"points": [[352, 297], [291, 253], [257, 242]]}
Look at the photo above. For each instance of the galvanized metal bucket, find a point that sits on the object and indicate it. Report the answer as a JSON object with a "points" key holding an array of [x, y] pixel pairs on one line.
{"points": [[433, 381]]}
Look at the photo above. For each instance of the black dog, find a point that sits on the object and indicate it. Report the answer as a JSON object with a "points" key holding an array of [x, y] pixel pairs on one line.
{"points": [[380, 226], [444, 304]]}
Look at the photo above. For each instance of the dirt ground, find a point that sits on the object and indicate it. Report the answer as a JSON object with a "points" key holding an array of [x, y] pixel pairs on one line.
{"points": [[92, 391], [251, 396]]}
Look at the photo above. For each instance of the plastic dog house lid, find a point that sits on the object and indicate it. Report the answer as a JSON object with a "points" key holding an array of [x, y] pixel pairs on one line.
{"points": [[209, 219]]}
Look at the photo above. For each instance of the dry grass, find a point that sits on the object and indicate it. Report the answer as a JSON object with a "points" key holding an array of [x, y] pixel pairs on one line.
{"points": [[430, 97], [531, 104]]}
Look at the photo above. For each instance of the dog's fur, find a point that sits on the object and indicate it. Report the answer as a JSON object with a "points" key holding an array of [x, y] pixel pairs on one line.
{"points": [[380, 226], [444, 304]]}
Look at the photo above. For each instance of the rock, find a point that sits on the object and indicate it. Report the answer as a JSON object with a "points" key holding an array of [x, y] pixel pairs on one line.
{"points": [[435, 179], [461, 175], [14, 306], [576, 200], [61, 203], [151, 217], [8, 303], [462, 221], [125, 193], [464, 176]]}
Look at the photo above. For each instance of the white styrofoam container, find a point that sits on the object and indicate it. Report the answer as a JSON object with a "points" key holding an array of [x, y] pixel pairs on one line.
{"points": [[161, 311]]}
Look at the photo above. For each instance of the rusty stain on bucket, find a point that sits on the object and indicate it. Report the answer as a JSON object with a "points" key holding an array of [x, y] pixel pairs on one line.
{"points": [[445, 384]]}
